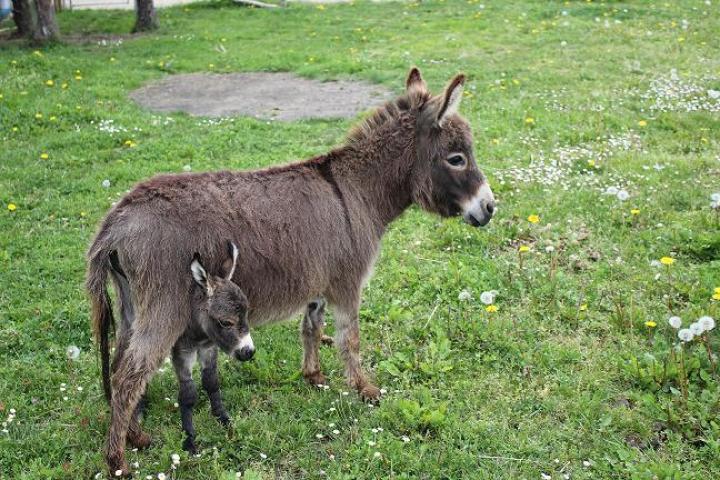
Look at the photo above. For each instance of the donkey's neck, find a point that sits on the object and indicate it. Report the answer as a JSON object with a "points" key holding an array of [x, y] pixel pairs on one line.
{"points": [[378, 168]]}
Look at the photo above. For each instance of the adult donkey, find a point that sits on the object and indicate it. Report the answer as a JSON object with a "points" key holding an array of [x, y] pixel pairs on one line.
{"points": [[305, 230]]}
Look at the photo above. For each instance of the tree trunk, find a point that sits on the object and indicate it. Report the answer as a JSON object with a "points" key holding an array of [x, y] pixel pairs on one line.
{"points": [[146, 19], [35, 20], [22, 15], [46, 27]]}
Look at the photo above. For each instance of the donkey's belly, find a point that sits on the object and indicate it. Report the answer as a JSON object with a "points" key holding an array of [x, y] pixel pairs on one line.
{"points": [[262, 316]]}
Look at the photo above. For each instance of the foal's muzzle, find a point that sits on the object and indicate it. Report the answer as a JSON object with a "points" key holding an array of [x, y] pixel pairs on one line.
{"points": [[480, 208], [245, 349]]}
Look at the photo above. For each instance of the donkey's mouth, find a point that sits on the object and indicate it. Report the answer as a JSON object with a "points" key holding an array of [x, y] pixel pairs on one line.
{"points": [[474, 221]]}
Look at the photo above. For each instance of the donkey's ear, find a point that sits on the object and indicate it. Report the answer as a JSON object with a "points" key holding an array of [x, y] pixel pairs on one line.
{"points": [[451, 99], [414, 81], [199, 274], [233, 251]]}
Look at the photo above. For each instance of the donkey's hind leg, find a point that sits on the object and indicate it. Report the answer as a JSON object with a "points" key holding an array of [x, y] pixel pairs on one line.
{"points": [[133, 370], [211, 383], [312, 330]]}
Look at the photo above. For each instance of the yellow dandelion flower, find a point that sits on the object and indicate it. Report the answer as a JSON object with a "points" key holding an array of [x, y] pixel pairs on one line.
{"points": [[530, 120], [591, 163], [667, 260], [496, 141], [78, 77], [583, 307], [49, 83], [15, 129], [321, 7], [716, 296], [716, 290], [635, 211], [491, 308], [44, 156], [650, 324], [523, 249], [516, 81], [64, 86], [37, 53], [642, 123], [211, 65], [38, 115], [533, 219], [12, 207]]}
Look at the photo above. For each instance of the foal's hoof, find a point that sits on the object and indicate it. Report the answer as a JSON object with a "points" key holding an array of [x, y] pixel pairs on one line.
{"points": [[370, 393], [315, 378], [189, 446], [141, 440], [224, 420], [327, 340]]}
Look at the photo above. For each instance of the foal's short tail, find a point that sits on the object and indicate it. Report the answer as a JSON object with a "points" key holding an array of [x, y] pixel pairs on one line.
{"points": [[102, 316]]}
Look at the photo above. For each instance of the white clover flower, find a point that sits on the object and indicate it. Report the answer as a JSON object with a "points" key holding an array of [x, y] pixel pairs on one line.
{"points": [[371, 443], [405, 439], [161, 476], [714, 94], [175, 459], [715, 197], [72, 352], [623, 195], [488, 298], [611, 191], [263, 456], [685, 335], [707, 323], [377, 454], [545, 476], [464, 295], [696, 329], [105, 183], [675, 322]]}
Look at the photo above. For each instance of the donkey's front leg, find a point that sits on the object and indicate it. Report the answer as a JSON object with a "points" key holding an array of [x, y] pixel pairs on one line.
{"points": [[183, 360], [311, 330], [347, 334], [211, 384]]}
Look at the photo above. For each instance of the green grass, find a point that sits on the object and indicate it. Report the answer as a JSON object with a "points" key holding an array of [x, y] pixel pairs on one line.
{"points": [[564, 372]]}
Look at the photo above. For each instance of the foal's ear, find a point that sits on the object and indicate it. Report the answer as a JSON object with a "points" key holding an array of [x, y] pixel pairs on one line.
{"points": [[414, 81], [200, 275], [451, 99], [233, 251]]}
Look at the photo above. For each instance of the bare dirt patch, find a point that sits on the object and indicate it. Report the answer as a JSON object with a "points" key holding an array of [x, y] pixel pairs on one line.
{"points": [[272, 96]]}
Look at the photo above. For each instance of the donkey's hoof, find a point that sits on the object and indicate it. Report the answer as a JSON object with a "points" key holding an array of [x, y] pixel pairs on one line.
{"points": [[370, 393], [117, 468], [315, 378], [224, 420], [140, 440], [189, 446], [327, 340]]}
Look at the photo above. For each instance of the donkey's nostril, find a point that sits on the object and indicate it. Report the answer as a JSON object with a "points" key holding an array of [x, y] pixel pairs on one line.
{"points": [[490, 207], [244, 354]]}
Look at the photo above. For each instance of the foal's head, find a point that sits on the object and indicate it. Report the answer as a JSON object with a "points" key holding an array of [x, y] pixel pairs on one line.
{"points": [[446, 178], [223, 318]]}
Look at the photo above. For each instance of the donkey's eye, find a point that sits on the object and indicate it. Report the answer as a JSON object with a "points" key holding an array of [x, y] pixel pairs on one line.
{"points": [[226, 323], [456, 160]]}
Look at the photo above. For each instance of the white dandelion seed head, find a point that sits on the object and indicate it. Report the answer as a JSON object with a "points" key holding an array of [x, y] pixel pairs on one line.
{"points": [[488, 298], [105, 183], [464, 295], [707, 323], [685, 335], [623, 195], [405, 439], [675, 322], [377, 454], [72, 352], [696, 329], [549, 249], [263, 456], [655, 263], [161, 476], [611, 190], [175, 459], [545, 476], [715, 197], [187, 168]]}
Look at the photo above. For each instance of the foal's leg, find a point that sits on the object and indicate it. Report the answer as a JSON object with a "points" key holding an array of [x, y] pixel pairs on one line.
{"points": [[347, 334], [211, 384], [311, 330], [134, 369], [183, 359]]}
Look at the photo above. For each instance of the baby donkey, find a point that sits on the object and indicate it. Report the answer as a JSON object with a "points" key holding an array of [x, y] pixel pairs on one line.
{"points": [[219, 319]]}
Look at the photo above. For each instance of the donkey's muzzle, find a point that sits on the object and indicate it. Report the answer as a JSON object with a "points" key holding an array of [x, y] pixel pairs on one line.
{"points": [[244, 354], [478, 210]]}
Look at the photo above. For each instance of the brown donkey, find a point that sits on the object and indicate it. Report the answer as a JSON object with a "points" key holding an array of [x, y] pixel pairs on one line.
{"points": [[304, 231]]}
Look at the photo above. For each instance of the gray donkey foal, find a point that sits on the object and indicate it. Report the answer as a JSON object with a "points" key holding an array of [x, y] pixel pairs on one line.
{"points": [[219, 319]]}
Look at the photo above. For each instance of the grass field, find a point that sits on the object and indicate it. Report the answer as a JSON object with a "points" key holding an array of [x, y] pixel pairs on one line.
{"points": [[599, 118]]}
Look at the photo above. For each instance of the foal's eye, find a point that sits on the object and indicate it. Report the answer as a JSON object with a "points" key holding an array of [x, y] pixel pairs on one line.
{"points": [[456, 160], [226, 323]]}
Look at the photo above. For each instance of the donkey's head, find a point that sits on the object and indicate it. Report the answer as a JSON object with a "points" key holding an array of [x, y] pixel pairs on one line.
{"points": [[223, 318], [447, 180]]}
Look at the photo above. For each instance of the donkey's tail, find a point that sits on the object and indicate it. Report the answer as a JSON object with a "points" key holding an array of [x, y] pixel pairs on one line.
{"points": [[102, 316]]}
